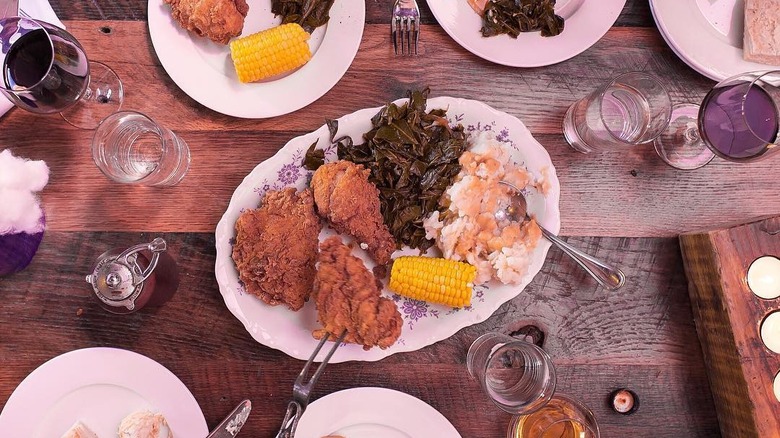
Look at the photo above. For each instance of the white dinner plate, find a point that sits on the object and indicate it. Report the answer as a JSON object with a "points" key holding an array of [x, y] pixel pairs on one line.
{"points": [[424, 323], [585, 22], [706, 34], [375, 413], [99, 387], [204, 70]]}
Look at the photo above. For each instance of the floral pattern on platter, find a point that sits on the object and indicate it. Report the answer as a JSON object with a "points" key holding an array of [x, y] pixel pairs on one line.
{"points": [[413, 311]]}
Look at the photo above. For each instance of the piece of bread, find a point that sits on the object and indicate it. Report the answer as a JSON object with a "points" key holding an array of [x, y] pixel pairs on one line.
{"points": [[79, 430], [762, 31]]}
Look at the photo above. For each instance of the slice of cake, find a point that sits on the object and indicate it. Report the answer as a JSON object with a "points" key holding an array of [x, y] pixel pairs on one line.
{"points": [[79, 430], [762, 31]]}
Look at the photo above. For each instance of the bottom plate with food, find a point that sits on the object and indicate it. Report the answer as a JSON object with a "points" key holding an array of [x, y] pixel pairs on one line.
{"points": [[385, 224]]}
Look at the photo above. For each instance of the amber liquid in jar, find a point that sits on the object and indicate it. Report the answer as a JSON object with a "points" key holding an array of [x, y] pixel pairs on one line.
{"points": [[559, 418]]}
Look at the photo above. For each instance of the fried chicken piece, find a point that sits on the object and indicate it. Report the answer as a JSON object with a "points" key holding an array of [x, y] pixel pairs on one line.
{"points": [[350, 202], [219, 20], [276, 248], [347, 297]]}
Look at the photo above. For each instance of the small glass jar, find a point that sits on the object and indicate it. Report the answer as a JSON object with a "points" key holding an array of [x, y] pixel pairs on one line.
{"points": [[125, 281]]}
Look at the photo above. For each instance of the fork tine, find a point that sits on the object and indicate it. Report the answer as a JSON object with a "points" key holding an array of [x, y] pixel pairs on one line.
{"points": [[314, 354], [325, 361], [416, 35], [401, 32], [409, 31], [394, 33]]}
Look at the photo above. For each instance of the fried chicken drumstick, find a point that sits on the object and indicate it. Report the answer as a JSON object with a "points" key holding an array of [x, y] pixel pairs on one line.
{"points": [[350, 202], [347, 297], [218, 20], [276, 248]]}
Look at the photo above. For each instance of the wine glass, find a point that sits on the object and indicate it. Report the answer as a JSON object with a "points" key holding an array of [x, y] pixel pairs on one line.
{"points": [[45, 70], [739, 121]]}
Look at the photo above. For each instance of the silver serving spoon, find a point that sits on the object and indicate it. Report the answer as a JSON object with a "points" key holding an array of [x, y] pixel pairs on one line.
{"points": [[610, 277]]}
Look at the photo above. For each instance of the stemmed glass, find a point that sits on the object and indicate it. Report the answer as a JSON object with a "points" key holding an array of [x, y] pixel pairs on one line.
{"points": [[45, 70], [738, 121]]}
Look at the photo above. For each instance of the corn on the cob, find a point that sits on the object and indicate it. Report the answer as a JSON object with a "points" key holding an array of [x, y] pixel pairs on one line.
{"points": [[270, 52], [435, 280]]}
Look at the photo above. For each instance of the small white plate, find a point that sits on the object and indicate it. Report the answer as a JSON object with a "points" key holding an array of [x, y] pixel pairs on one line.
{"points": [[375, 413], [586, 21], [99, 387], [707, 35], [279, 327], [204, 70]]}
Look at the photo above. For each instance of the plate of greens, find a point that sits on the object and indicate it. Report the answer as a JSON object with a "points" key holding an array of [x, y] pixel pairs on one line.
{"points": [[526, 33]]}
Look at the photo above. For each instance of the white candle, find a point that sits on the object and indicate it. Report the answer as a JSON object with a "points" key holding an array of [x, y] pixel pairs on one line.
{"points": [[770, 332], [777, 386], [763, 277]]}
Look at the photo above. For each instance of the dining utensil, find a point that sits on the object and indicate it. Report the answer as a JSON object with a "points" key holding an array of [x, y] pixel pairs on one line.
{"points": [[608, 276], [129, 147], [405, 26], [561, 417], [630, 110], [518, 376], [232, 424], [302, 389], [739, 121], [47, 71]]}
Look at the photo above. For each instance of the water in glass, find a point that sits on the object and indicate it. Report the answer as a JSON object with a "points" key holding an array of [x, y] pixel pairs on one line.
{"points": [[129, 147]]}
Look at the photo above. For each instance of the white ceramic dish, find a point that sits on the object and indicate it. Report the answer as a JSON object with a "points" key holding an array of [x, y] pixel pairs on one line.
{"points": [[424, 324], [98, 386], [707, 35], [586, 21], [375, 413], [204, 70]]}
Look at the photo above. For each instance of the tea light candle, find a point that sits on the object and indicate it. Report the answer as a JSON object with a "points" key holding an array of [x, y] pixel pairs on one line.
{"points": [[770, 332], [763, 277]]}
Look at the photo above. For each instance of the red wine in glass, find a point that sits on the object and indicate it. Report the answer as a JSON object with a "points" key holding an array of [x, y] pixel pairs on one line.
{"points": [[45, 70], [739, 121]]}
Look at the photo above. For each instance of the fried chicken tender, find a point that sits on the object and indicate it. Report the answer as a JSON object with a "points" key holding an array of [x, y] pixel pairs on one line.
{"points": [[276, 248], [350, 202], [347, 297], [218, 20]]}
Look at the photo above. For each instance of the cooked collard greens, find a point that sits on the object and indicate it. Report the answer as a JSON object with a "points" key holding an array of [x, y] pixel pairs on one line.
{"points": [[310, 14], [514, 16]]}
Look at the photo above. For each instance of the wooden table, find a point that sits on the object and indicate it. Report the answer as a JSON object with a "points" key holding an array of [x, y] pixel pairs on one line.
{"points": [[625, 208]]}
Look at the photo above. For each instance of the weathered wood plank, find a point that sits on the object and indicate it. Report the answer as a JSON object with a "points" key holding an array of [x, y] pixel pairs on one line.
{"points": [[635, 13], [642, 338]]}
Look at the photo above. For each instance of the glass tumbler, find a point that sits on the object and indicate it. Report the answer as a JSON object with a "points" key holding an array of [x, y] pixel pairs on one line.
{"points": [[632, 109], [518, 376], [129, 147], [562, 417]]}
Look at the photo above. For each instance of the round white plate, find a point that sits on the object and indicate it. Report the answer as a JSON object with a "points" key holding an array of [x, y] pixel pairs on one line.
{"points": [[375, 413], [204, 70], [586, 21], [706, 35], [424, 324], [99, 387]]}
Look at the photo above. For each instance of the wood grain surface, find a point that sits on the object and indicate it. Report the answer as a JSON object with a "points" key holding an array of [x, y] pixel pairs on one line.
{"points": [[627, 208], [641, 338], [728, 319]]}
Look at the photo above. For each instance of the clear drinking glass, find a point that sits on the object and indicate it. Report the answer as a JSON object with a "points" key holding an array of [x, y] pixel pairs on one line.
{"points": [[561, 417], [632, 109], [737, 121], [129, 147], [45, 70], [518, 376]]}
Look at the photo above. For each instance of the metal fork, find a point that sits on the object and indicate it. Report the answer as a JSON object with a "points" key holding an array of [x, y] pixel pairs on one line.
{"points": [[301, 390], [405, 24]]}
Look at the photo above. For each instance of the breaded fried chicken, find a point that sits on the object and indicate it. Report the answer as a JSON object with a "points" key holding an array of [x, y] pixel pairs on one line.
{"points": [[350, 202], [218, 20], [347, 297], [276, 248]]}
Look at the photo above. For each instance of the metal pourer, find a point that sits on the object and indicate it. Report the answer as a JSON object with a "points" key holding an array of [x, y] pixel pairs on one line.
{"points": [[119, 280]]}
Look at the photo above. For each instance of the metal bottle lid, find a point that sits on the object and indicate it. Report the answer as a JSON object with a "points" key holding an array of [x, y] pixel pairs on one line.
{"points": [[118, 281]]}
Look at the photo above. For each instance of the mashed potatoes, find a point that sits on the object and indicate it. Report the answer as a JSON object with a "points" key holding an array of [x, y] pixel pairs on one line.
{"points": [[468, 230]]}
